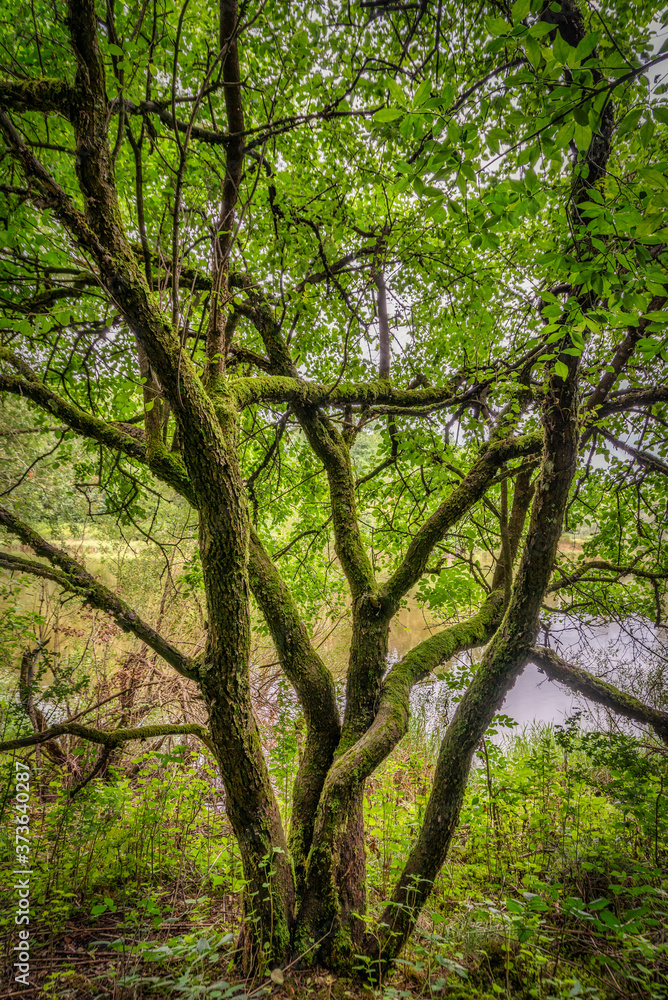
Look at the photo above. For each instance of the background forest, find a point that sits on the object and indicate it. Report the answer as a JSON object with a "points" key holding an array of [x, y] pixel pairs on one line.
{"points": [[333, 408]]}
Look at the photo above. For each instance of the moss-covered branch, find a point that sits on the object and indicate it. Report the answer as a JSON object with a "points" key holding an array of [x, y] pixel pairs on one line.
{"points": [[345, 781], [315, 689], [283, 389], [326, 441], [391, 720], [99, 230], [72, 576], [522, 497], [112, 738], [166, 466], [503, 661], [48, 96], [599, 691]]}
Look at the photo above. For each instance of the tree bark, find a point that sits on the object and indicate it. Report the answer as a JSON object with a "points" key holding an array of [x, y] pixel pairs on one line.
{"points": [[502, 663]]}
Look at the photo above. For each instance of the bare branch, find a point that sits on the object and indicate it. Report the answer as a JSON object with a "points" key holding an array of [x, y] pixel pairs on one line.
{"points": [[643, 457], [112, 739], [604, 564]]}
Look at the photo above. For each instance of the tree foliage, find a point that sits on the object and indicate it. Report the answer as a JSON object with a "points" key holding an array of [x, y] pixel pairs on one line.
{"points": [[376, 290]]}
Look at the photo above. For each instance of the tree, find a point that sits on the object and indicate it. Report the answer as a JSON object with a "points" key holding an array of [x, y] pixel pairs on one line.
{"points": [[282, 227]]}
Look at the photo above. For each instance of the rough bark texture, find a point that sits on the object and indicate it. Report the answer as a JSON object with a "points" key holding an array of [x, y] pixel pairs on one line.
{"points": [[217, 342], [502, 663], [314, 686]]}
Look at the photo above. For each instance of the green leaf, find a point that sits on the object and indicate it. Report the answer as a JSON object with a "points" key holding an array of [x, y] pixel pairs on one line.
{"points": [[609, 918], [395, 90], [561, 49], [497, 26], [560, 369], [422, 93], [655, 177], [660, 115], [540, 28], [406, 127], [587, 45], [564, 135], [657, 316], [533, 51], [387, 115], [582, 136], [520, 9], [630, 122]]}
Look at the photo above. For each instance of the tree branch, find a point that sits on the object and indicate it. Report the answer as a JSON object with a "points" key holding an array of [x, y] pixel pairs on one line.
{"points": [[327, 443], [621, 356], [351, 769], [160, 109], [598, 690], [111, 739], [72, 576], [472, 489], [315, 689], [603, 564], [100, 231], [503, 661], [217, 335], [47, 96], [643, 457], [162, 463], [281, 389], [626, 399]]}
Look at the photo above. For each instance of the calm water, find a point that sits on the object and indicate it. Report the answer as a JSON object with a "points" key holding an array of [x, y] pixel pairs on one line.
{"points": [[621, 653]]}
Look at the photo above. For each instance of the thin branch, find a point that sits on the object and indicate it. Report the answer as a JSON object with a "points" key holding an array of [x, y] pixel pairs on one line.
{"points": [[643, 457], [110, 739]]}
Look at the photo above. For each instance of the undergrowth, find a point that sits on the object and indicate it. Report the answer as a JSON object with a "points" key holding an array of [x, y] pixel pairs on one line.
{"points": [[555, 885]]}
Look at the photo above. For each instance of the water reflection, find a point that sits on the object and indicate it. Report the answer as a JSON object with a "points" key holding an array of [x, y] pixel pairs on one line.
{"points": [[621, 652]]}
